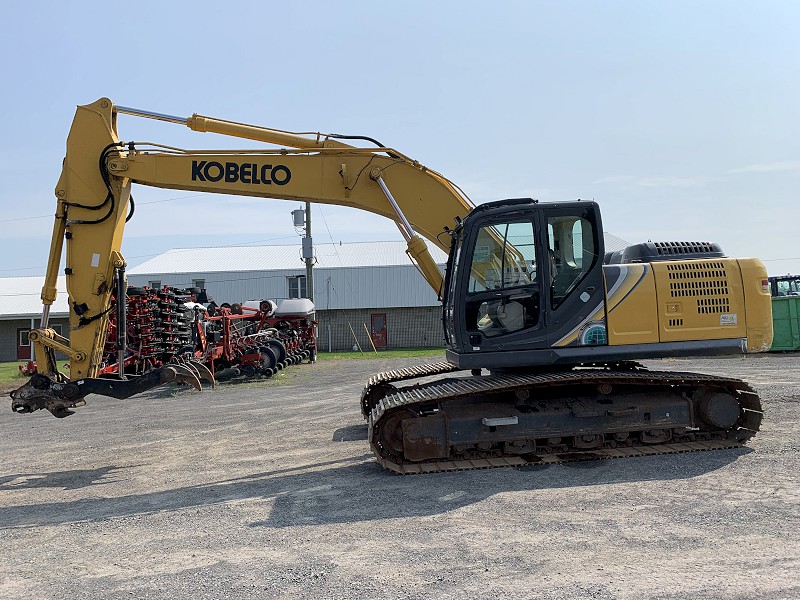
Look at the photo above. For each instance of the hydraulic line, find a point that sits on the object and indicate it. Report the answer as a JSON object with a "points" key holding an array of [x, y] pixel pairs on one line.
{"points": [[122, 320], [109, 196]]}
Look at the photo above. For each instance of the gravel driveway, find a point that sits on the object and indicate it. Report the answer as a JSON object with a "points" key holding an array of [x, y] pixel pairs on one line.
{"points": [[269, 491]]}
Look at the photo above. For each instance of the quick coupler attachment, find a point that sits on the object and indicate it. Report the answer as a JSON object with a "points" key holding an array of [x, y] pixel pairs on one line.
{"points": [[43, 392], [59, 397]]}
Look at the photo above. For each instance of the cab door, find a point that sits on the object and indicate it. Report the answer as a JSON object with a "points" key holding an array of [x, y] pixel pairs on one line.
{"points": [[503, 307], [575, 297]]}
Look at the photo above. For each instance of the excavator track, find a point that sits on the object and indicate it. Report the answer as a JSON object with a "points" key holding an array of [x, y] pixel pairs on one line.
{"points": [[544, 418], [380, 385]]}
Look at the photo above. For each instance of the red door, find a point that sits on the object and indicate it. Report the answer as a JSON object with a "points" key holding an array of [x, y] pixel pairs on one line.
{"points": [[379, 330], [23, 344]]}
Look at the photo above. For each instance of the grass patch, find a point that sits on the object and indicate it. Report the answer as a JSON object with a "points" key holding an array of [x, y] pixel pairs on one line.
{"points": [[404, 353], [9, 371]]}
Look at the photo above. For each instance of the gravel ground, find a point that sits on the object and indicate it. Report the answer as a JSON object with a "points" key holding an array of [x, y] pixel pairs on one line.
{"points": [[269, 491]]}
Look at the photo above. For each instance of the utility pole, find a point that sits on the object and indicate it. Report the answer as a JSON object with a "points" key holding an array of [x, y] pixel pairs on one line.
{"points": [[308, 255], [302, 218]]}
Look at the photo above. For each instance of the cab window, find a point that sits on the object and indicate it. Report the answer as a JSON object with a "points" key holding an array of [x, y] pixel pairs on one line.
{"points": [[789, 287], [502, 293], [572, 252], [504, 256]]}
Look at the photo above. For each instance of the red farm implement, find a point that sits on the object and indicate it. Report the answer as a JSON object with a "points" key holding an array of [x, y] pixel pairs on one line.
{"points": [[168, 326]]}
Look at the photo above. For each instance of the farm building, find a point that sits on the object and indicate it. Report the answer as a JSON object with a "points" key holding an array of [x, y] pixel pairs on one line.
{"points": [[359, 287], [362, 290], [21, 311]]}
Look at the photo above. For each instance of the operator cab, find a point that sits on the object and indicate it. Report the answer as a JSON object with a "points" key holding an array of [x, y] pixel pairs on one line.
{"points": [[784, 285], [520, 275]]}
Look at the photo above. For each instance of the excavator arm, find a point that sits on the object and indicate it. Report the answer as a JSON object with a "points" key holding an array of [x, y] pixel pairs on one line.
{"points": [[94, 203]]}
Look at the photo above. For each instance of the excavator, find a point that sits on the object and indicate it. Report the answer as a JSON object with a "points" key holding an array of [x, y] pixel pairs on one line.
{"points": [[543, 328]]}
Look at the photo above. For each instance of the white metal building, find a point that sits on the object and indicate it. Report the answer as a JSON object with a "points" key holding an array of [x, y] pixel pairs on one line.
{"points": [[362, 290], [346, 276]]}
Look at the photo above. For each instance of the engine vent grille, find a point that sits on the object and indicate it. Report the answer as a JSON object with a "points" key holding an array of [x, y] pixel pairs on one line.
{"points": [[676, 322], [673, 248], [708, 306], [705, 280]]}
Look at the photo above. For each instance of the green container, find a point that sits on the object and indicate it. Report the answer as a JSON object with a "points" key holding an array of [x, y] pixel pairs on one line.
{"points": [[786, 323]]}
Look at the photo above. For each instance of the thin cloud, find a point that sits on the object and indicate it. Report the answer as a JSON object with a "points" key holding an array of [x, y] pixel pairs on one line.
{"points": [[775, 167], [652, 182], [615, 179], [683, 182]]}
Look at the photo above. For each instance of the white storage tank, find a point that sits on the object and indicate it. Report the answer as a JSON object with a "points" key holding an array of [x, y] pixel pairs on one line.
{"points": [[295, 307]]}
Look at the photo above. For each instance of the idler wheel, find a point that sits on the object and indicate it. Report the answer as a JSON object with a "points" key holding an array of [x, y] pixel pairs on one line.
{"points": [[376, 394], [391, 433], [719, 410]]}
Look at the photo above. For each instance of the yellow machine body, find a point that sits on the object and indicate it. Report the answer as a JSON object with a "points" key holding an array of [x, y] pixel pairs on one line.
{"points": [[676, 301]]}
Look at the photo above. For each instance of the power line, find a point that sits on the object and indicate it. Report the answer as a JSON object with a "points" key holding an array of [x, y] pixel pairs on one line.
{"points": [[177, 250], [339, 258], [138, 204], [24, 218]]}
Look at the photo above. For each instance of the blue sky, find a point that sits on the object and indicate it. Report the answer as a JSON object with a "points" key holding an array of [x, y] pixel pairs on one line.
{"points": [[679, 118]]}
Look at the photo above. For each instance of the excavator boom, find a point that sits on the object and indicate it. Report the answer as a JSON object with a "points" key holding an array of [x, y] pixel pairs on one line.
{"points": [[94, 200]]}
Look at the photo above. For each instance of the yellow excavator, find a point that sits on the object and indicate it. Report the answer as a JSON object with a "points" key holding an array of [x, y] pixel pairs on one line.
{"points": [[543, 328]]}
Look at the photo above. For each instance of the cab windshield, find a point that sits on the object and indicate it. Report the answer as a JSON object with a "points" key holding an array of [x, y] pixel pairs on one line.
{"points": [[504, 257], [502, 291], [789, 287]]}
